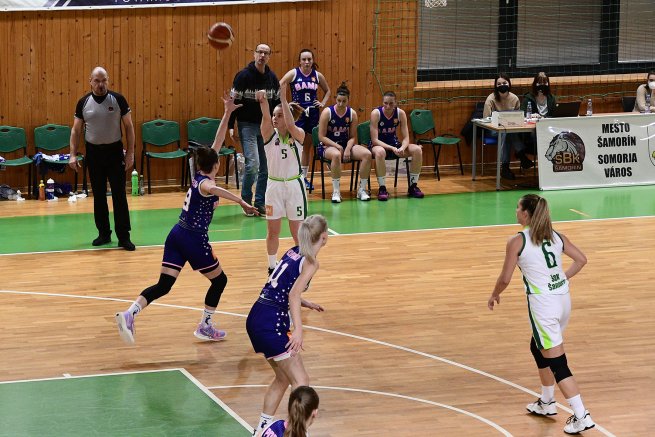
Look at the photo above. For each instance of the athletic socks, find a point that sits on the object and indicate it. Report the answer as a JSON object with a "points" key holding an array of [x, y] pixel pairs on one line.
{"points": [[207, 317], [363, 184], [135, 309], [577, 406], [547, 393], [304, 169], [264, 421], [413, 178], [272, 262], [336, 185], [381, 181]]}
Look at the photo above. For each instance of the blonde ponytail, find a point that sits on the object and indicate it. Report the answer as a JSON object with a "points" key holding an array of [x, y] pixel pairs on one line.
{"points": [[309, 233], [541, 227], [303, 401]]}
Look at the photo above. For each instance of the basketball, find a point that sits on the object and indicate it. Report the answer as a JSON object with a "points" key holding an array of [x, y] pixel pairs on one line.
{"points": [[220, 36]]}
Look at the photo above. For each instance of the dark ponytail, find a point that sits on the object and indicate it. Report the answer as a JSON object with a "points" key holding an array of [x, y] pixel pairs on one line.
{"points": [[205, 158], [303, 401], [343, 90]]}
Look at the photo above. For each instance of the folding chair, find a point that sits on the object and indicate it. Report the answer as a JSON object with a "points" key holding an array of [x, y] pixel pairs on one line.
{"points": [[201, 132], [422, 123], [158, 134], [53, 138], [11, 140]]}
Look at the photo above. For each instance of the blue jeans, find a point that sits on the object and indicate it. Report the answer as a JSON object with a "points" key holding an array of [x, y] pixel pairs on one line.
{"points": [[256, 167]]}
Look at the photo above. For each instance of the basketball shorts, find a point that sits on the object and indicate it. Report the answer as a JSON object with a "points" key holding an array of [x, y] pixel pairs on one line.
{"points": [[549, 315], [286, 199], [390, 155], [183, 245], [321, 148], [307, 123], [268, 329]]}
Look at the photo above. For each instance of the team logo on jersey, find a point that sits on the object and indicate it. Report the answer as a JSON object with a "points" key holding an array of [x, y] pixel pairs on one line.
{"points": [[566, 151], [395, 121], [110, 109], [347, 119], [313, 79], [332, 121]]}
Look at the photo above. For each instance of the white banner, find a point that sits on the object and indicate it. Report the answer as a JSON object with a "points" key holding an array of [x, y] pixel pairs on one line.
{"points": [[27, 5], [598, 151]]}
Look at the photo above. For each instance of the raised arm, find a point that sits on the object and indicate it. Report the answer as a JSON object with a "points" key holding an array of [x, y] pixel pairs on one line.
{"points": [[297, 133], [230, 107], [511, 259], [266, 127]]}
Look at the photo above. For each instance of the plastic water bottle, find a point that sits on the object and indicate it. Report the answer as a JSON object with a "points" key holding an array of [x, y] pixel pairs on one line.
{"points": [[241, 165], [647, 102], [590, 110], [50, 189], [135, 183], [528, 112], [142, 190], [41, 190]]}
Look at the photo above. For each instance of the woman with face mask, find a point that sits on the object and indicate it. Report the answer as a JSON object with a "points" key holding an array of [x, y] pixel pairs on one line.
{"points": [[502, 99], [646, 89], [543, 103]]}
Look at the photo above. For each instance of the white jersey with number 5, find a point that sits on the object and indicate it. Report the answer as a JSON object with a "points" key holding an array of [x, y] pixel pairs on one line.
{"points": [[283, 156], [541, 265]]}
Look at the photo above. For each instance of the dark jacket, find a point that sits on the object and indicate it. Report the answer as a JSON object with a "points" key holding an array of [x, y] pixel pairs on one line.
{"points": [[551, 103], [246, 82]]}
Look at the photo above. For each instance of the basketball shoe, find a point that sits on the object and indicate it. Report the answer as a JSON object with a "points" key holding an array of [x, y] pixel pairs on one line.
{"points": [[208, 332], [125, 322], [541, 408], [575, 425]]}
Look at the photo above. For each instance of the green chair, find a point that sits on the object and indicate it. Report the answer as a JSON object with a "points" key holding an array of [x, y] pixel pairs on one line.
{"points": [[422, 123], [201, 132], [322, 160], [364, 138], [11, 140], [53, 138], [159, 134]]}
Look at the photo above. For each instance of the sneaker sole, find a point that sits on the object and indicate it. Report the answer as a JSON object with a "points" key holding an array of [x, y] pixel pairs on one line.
{"points": [[125, 333], [202, 337], [536, 413], [582, 430]]}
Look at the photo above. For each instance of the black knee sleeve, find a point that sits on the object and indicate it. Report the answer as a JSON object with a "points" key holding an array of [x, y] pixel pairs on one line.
{"points": [[542, 362], [159, 289], [559, 367], [216, 290]]}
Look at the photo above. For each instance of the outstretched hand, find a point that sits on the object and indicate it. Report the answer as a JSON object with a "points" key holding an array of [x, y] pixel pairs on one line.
{"points": [[228, 103], [249, 209]]}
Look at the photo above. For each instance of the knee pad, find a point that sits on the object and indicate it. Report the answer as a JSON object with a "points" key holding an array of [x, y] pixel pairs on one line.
{"points": [[542, 362], [559, 367], [159, 289], [216, 290]]}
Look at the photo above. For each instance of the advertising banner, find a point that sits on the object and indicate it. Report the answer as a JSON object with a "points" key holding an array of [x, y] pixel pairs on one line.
{"points": [[27, 5], [597, 151]]}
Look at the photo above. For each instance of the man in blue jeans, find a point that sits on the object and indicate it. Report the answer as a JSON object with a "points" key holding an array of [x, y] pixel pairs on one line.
{"points": [[256, 76]]}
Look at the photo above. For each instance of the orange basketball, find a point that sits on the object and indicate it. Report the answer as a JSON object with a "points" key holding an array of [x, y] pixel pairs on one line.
{"points": [[220, 36]]}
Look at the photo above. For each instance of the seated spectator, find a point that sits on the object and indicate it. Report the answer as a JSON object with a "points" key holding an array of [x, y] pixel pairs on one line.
{"points": [[543, 104], [646, 89]]}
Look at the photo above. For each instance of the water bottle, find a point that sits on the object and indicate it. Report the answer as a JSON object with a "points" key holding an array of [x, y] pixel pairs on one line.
{"points": [[142, 190], [135, 183], [590, 110], [648, 102], [528, 112], [41, 190], [241, 165], [50, 189]]}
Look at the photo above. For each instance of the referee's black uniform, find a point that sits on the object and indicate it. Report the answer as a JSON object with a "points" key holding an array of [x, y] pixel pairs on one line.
{"points": [[105, 160]]}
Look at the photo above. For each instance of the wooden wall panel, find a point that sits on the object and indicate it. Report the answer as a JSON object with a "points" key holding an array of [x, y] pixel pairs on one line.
{"points": [[160, 60]]}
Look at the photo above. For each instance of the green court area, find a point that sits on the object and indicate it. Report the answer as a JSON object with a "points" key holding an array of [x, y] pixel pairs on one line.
{"points": [[150, 227], [159, 403]]}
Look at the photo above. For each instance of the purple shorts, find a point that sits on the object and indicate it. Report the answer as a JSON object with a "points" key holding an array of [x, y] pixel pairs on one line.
{"points": [[307, 123], [268, 328], [183, 245]]}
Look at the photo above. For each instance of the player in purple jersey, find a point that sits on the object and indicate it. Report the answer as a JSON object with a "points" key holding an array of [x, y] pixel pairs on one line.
{"points": [[337, 129], [386, 120], [279, 303], [304, 82], [188, 241], [303, 408]]}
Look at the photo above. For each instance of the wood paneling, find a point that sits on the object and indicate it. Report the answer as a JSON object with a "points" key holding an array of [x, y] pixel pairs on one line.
{"points": [[160, 60]]}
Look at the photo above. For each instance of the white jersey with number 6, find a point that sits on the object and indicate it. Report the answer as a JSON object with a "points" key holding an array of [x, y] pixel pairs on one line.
{"points": [[541, 265]]}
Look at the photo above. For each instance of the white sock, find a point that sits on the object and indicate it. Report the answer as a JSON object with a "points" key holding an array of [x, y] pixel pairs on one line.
{"points": [[547, 393], [363, 183], [264, 421], [207, 317], [272, 261], [134, 309], [578, 407], [381, 181], [336, 186], [304, 169], [413, 178]]}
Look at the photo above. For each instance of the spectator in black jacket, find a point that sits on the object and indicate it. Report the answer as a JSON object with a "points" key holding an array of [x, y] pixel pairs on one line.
{"points": [[256, 76]]}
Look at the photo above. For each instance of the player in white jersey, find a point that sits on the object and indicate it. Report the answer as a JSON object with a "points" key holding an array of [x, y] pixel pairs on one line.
{"points": [[285, 190], [537, 250]]}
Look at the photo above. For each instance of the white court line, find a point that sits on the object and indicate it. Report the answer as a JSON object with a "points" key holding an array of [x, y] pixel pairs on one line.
{"points": [[86, 376], [329, 331], [336, 235], [332, 232], [579, 212], [499, 428], [222, 404]]}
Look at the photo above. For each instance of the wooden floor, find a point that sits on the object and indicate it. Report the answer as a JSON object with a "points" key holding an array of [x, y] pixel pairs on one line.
{"points": [[406, 346]]}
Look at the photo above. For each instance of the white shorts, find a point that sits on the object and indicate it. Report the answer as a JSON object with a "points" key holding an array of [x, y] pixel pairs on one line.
{"points": [[549, 315], [286, 199]]}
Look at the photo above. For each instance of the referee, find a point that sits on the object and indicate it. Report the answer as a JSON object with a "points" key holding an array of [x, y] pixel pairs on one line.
{"points": [[101, 112]]}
